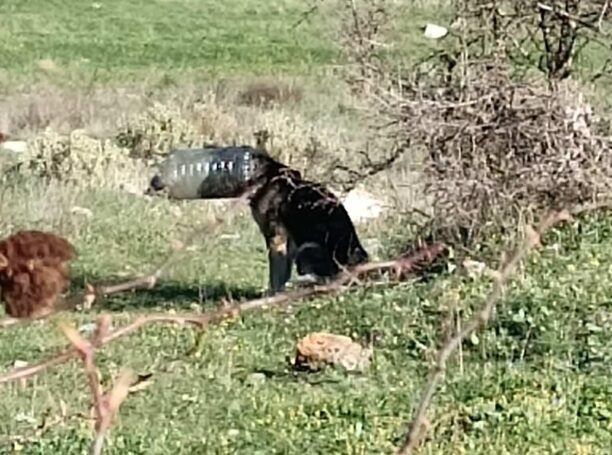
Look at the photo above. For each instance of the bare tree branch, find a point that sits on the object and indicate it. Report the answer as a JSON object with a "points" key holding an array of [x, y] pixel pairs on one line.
{"points": [[479, 320], [564, 14], [400, 267], [105, 405], [602, 14]]}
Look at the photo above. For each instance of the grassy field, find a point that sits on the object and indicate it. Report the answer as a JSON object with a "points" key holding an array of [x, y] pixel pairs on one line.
{"points": [[165, 41], [536, 381], [118, 41]]}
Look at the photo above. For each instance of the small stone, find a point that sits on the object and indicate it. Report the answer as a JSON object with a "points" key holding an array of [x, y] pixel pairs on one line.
{"points": [[15, 146], [362, 205], [316, 350], [20, 364], [256, 378]]}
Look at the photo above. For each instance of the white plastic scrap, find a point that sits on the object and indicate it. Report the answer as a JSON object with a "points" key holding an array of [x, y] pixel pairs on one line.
{"points": [[362, 206], [433, 31], [15, 146]]}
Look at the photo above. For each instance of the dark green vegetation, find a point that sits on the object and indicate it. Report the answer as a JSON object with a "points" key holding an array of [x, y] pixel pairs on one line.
{"points": [[536, 381]]}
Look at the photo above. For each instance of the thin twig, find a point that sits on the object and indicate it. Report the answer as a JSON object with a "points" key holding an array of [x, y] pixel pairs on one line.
{"points": [[149, 281], [571, 17], [111, 403], [479, 320], [305, 15], [602, 14], [105, 405]]}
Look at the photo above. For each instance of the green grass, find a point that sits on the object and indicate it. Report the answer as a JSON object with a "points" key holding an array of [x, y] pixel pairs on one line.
{"points": [[121, 40], [537, 381], [165, 41]]}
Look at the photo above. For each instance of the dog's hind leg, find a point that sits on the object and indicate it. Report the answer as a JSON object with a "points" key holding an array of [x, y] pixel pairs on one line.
{"points": [[312, 259]]}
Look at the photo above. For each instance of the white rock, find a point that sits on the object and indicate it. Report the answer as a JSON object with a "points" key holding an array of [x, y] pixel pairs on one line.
{"points": [[88, 327], [433, 31], [15, 146], [474, 268], [23, 417], [20, 364], [362, 206], [76, 210]]}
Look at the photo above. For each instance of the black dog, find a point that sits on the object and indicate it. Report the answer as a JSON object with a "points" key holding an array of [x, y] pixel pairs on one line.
{"points": [[301, 221]]}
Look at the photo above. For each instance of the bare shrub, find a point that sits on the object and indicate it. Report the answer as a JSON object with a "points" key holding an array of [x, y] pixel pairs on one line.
{"points": [[156, 131], [320, 147], [76, 159], [126, 131], [498, 140], [497, 147], [309, 128]]}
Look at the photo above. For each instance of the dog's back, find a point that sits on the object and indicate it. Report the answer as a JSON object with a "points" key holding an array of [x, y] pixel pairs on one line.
{"points": [[322, 230]]}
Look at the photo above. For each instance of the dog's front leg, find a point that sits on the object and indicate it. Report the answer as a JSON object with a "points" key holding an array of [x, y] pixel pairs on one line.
{"points": [[280, 259]]}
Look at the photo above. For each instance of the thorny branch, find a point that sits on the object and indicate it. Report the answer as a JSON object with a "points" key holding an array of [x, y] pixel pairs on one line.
{"points": [[479, 320], [400, 267], [305, 16], [368, 168], [105, 405]]}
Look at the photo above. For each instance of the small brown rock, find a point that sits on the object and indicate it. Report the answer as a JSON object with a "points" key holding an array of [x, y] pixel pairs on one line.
{"points": [[316, 350]]}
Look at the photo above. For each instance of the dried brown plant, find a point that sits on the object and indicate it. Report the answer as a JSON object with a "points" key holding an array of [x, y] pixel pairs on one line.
{"points": [[33, 272], [267, 94]]}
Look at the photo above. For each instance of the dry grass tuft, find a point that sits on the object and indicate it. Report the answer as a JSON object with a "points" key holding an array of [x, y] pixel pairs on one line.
{"points": [[266, 94], [110, 138], [317, 146], [75, 159], [27, 112]]}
